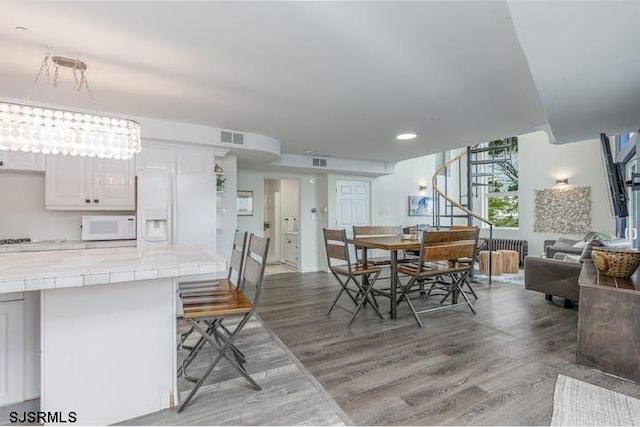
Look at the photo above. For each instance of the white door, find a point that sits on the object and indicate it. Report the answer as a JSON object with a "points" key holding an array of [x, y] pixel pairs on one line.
{"points": [[195, 207], [354, 204]]}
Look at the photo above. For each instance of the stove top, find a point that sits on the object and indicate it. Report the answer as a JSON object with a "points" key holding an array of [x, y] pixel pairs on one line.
{"points": [[14, 241]]}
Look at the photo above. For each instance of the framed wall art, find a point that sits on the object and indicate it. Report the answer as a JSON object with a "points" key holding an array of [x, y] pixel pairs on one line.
{"points": [[420, 206], [244, 203]]}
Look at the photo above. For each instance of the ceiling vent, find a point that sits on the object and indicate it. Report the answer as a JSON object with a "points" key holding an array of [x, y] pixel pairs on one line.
{"points": [[322, 163], [231, 137]]}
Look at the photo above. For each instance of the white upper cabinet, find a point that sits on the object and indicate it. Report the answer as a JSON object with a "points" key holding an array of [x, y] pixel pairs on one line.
{"points": [[21, 161], [156, 158], [82, 183], [195, 161]]}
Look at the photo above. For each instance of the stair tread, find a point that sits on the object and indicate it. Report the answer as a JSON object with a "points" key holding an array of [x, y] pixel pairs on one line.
{"points": [[492, 148], [488, 162]]}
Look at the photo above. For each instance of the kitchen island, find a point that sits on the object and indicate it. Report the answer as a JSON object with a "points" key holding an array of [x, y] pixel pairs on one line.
{"points": [[108, 329]]}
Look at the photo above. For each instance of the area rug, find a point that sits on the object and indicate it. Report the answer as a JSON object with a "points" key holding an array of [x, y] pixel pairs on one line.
{"points": [[576, 403], [514, 279]]}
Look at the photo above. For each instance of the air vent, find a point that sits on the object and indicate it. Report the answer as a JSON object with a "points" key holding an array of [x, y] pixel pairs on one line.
{"points": [[231, 137], [238, 138], [226, 136], [320, 162]]}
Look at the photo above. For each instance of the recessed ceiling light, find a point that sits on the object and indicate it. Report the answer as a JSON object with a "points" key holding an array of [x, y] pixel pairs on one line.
{"points": [[406, 136], [308, 151]]}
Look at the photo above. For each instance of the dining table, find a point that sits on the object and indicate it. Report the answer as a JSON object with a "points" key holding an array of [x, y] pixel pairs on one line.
{"points": [[393, 244]]}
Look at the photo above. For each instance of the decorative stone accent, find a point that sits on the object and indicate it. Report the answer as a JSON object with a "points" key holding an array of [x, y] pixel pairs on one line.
{"points": [[563, 210]]}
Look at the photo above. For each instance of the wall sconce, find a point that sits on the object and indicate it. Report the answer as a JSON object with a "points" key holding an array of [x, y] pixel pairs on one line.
{"points": [[422, 188], [562, 182]]}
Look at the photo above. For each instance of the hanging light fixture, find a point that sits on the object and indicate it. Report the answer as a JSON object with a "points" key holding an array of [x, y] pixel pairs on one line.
{"points": [[24, 127]]}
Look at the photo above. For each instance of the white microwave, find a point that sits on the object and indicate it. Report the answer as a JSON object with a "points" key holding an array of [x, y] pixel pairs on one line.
{"points": [[113, 227]]}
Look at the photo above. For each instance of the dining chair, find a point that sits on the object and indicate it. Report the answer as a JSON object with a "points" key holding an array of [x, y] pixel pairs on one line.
{"points": [[376, 231], [362, 276], [206, 312], [443, 262]]}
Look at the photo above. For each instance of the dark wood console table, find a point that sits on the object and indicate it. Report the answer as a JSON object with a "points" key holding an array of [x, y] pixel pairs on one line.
{"points": [[609, 323]]}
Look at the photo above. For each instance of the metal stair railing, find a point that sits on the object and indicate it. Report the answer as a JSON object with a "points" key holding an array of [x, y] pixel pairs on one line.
{"points": [[451, 204]]}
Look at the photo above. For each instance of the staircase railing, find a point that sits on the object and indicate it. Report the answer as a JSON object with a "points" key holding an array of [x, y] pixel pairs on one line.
{"points": [[453, 204]]}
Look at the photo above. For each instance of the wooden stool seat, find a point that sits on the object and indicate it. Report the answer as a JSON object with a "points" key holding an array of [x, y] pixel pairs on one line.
{"points": [[496, 262], [510, 261]]}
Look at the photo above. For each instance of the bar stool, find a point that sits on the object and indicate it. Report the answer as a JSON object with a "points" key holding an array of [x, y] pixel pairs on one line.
{"points": [[206, 312]]}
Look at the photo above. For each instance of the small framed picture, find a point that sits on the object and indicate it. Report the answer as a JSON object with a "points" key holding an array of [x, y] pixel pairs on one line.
{"points": [[244, 203], [420, 206]]}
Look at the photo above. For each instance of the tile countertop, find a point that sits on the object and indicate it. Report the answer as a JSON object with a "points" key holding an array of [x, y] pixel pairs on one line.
{"points": [[34, 271]]}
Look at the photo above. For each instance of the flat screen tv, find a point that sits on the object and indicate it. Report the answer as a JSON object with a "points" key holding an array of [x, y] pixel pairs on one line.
{"points": [[615, 180]]}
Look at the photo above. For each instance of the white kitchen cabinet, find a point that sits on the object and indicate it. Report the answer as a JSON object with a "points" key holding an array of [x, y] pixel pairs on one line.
{"points": [[83, 183], [156, 158], [11, 349], [291, 248], [195, 160], [21, 161]]}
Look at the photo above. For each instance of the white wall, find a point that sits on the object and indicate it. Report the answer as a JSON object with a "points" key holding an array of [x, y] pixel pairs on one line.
{"points": [[226, 217], [23, 214], [540, 164], [310, 224]]}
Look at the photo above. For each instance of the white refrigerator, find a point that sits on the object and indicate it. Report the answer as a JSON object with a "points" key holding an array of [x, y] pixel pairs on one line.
{"points": [[176, 209]]}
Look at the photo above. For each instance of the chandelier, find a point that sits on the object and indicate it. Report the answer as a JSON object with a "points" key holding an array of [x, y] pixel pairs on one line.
{"points": [[35, 129]]}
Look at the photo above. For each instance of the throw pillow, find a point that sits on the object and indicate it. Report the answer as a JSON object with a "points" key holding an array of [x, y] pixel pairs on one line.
{"points": [[580, 244], [588, 248]]}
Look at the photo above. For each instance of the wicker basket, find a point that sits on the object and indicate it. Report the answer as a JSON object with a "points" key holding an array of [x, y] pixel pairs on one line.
{"points": [[616, 262]]}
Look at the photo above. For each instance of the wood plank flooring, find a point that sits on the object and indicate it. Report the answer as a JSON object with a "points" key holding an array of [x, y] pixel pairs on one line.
{"points": [[289, 395], [498, 367]]}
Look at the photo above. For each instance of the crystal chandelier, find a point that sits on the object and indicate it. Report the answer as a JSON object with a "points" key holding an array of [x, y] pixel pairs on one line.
{"points": [[45, 130]]}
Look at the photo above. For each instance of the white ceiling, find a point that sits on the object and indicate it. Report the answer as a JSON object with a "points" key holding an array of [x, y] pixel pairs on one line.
{"points": [[342, 78]]}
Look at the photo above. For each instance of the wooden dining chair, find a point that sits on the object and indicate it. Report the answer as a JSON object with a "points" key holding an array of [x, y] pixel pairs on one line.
{"points": [[443, 261], [205, 312], [376, 231], [362, 276]]}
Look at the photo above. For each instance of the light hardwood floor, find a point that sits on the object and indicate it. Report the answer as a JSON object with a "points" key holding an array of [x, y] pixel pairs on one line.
{"points": [[495, 368]]}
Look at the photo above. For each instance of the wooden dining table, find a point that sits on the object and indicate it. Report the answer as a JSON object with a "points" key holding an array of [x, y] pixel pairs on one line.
{"points": [[393, 244]]}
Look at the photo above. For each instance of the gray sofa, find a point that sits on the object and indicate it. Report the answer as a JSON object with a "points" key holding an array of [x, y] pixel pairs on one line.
{"points": [[566, 246], [557, 275]]}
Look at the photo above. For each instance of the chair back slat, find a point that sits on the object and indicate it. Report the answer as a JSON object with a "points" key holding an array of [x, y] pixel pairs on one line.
{"points": [[236, 260], [254, 265], [333, 235], [449, 245], [435, 237], [376, 230], [336, 247], [449, 251], [338, 252]]}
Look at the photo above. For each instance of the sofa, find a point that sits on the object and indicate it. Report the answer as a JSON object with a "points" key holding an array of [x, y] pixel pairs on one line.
{"points": [[557, 275], [569, 246]]}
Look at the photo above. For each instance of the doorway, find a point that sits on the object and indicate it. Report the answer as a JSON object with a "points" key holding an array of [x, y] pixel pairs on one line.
{"points": [[281, 224], [354, 204]]}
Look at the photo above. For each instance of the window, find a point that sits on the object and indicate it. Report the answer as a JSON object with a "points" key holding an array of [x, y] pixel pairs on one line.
{"points": [[501, 188]]}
